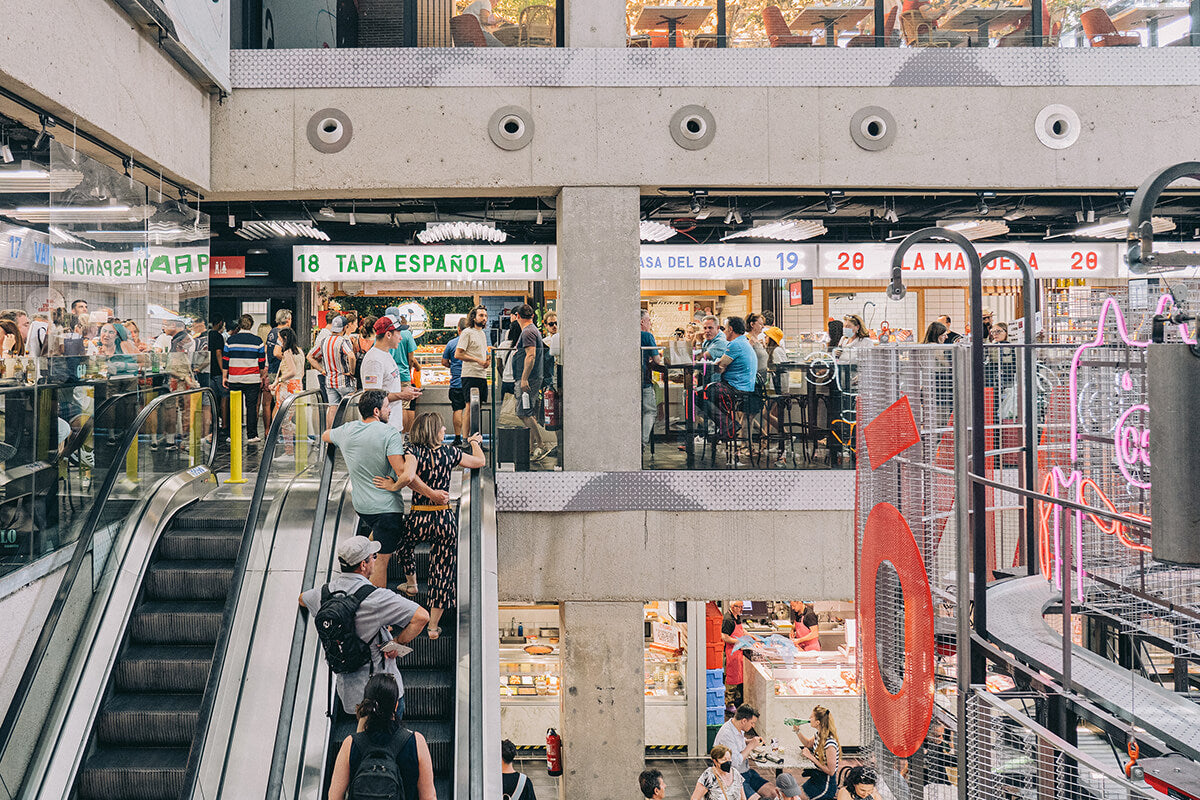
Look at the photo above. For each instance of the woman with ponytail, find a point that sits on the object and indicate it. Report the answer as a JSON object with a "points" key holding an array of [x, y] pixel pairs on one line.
{"points": [[824, 751], [379, 731]]}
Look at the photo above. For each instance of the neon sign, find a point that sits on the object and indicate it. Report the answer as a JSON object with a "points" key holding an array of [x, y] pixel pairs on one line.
{"points": [[1131, 444]]}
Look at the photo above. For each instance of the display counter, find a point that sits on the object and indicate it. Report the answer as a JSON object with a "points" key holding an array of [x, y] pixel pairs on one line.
{"points": [[530, 687], [782, 691], [665, 677]]}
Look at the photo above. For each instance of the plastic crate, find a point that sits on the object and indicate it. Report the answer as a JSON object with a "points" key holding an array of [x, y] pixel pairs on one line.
{"points": [[714, 678], [712, 735], [716, 716], [715, 657], [716, 697]]}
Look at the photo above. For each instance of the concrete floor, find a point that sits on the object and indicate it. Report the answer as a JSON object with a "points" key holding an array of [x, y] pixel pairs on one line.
{"points": [[679, 774]]}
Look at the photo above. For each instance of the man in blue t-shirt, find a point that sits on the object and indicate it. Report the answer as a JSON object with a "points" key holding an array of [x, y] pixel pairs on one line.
{"points": [[739, 365], [401, 354], [458, 395], [650, 356]]}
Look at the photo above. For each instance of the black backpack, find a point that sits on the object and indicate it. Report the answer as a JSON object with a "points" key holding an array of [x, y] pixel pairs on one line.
{"points": [[378, 774], [344, 651]]}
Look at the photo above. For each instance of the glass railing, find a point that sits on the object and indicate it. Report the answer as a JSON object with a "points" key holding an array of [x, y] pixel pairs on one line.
{"points": [[795, 414], [293, 455], [929, 23], [526, 431], [132, 473], [62, 421], [403, 23]]}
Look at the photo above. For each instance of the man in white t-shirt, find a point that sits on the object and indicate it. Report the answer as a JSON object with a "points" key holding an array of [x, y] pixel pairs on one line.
{"points": [[733, 735], [379, 370], [488, 20]]}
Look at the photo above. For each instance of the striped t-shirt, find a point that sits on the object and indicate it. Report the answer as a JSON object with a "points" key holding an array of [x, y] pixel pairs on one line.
{"points": [[245, 358], [336, 352]]}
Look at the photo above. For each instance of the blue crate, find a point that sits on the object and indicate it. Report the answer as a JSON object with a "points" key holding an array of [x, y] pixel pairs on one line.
{"points": [[716, 697], [716, 716], [714, 678]]}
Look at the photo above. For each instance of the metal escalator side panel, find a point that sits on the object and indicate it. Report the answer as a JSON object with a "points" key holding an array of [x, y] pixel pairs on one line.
{"points": [[64, 737]]}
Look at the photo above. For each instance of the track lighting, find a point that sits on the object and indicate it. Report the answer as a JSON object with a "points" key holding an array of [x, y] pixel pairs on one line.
{"points": [[737, 216], [831, 205], [729, 216], [6, 153]]}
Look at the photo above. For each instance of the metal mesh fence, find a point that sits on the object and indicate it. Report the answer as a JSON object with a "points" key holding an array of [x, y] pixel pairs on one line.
{"points": [[1012, 757]]}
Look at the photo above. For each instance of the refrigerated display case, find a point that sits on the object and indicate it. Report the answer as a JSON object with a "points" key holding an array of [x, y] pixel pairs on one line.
{"points": [[782, 691]]}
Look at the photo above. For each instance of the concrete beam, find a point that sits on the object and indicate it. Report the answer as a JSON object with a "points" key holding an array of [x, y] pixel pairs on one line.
{"points": [[86, 63], [694, 555]]}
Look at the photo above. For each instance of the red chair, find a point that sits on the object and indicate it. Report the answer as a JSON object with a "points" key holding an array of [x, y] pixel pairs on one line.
{"points": [[663, 39], [1022, 36], [778, 32], [466, 31], [889, 33], [1100, 32]]}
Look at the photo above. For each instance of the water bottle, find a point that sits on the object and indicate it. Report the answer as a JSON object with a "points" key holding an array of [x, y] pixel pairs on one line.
{"points": [[525, 401]]}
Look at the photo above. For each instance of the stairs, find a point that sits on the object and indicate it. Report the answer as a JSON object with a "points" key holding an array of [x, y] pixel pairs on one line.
{"points": [[144, 729]]}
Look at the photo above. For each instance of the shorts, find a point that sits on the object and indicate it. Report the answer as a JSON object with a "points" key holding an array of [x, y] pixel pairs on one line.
{"points": [[333, 396], [754, 781], [535, 404], [458, 398], [475, 383], [383, 528]]}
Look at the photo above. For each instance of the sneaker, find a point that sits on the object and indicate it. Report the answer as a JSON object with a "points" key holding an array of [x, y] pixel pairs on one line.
{"points": [[253, 440], [700, 441], [538, 453], [458, 442]]}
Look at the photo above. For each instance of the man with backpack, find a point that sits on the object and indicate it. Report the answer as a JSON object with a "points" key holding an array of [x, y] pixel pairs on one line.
{"points": [[515, 785], [361, 627]]}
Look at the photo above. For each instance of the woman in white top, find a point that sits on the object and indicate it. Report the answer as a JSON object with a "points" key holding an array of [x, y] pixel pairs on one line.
{"points": [[720, 781], [824, 751], [290, 379], [754, 329]]}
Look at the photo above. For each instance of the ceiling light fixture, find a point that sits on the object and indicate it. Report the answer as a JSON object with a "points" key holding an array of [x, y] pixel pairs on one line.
{"points": [[737, 216], [461, 231], [281, 229], [1118, 227], [41, 137], [792, 230], [729, 216], [656, 231], [831, 205], [974, 229], [30, 178], [61, 215], [6, 153]]}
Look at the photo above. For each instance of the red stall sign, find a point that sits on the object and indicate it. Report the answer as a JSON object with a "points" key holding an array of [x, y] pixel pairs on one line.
{"points": [[227, 267]]}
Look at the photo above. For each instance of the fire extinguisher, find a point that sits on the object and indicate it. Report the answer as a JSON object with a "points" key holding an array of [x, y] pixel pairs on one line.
{"points": [[550, 402], [553, 752]]}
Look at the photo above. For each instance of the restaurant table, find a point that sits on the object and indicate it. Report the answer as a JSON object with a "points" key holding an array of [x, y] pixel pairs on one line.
{"points": [[830, 18], [1133, 17], [676, 18], [970, 19]]}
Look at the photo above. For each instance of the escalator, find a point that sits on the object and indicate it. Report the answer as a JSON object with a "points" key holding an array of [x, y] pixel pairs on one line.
{"points": [[147, 720]]}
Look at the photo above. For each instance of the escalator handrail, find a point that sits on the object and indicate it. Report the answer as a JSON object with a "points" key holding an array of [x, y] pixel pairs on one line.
{"points": [[476, 746], [221, 648], [291, 680], [82, 545]]}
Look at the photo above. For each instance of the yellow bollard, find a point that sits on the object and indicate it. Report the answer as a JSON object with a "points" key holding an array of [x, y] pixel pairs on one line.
{"points": [[131, 461], [235, 437], [194, 431], [300, 409]]}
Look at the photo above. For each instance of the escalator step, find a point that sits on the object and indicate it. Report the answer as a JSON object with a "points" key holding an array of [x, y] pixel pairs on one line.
{"points": [[188, 580], [439, 652], [177, 622], [440, 738], [215, 515], [155, 668], [428, 694], [161, 720], [443, 786], [421, 555], [200, 544], [133, 773]]}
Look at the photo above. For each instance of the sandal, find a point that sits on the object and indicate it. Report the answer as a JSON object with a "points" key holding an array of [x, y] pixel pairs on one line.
{"points": [[433, 632], [409, 589]]}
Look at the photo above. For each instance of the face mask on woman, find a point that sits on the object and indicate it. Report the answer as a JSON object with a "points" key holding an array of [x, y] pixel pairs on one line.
{"points": [[725, 766]]}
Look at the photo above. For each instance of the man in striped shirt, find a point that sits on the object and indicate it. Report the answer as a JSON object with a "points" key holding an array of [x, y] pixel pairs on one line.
{"points": [[333, 357], [245, 370]]}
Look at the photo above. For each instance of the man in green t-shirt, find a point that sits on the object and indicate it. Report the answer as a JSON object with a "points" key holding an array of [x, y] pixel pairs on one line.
{"points": [[402, 354]]}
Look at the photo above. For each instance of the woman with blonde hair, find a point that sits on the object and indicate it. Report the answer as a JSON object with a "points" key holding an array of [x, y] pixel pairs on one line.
{"points": [[824, 751], [720, 781], [428, 521]]}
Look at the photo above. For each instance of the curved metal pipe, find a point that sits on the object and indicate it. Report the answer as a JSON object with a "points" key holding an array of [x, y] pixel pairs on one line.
{"points": [[1141, 254], [1030, 410]]}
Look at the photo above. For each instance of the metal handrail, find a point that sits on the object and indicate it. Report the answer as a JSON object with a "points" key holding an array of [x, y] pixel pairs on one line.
{"points": [[476, 784], [291, 680], [231, 601], [82, 545]]}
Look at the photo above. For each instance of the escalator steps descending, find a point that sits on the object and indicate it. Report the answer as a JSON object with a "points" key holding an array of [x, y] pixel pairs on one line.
{"points": [[147, 720]]}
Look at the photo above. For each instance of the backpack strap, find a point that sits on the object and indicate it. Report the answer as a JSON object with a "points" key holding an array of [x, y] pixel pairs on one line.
{"points": [[520, 790], [325, 594], [361, 594], [400, 741]]}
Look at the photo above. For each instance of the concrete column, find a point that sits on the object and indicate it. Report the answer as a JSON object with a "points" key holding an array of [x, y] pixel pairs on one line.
{"points": [[595, 23], [603, 708], [598, 310]]}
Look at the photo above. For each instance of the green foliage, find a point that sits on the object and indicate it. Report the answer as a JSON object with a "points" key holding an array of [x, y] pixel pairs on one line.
{"points": [[437, 307]]}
